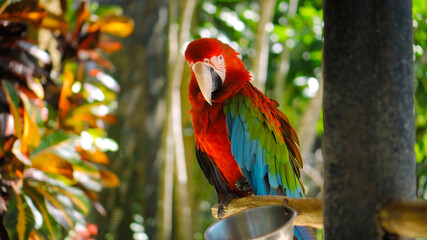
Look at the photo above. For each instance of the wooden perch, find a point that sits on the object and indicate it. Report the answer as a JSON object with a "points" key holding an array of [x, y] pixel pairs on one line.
{"points": [[401, 217], [310, 210], [406, 218]]}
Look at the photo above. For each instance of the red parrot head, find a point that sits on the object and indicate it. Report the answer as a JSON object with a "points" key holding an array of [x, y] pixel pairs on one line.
{"points": [[215, 66]]}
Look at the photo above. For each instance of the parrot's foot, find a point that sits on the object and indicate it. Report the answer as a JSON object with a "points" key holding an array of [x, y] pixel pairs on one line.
{"points": [[243, 185], [224, 202]]}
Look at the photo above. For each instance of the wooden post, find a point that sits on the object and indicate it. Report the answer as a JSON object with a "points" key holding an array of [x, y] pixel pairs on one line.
{"points": [[368, 113]]}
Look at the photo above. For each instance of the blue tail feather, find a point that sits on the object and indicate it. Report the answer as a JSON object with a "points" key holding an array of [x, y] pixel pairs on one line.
{"points": [[304, 233]]}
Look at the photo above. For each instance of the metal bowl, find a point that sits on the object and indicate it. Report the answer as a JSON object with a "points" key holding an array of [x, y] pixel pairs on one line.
{"points": [[267, 222]]}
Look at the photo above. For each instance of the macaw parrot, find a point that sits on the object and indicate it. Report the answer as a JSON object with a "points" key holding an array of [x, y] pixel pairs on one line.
{"points": [[244, 144]]}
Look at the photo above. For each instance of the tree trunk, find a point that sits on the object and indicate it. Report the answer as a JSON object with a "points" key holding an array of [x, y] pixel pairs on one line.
{"points": [[368, 113], [260, 60], [141, 67]]}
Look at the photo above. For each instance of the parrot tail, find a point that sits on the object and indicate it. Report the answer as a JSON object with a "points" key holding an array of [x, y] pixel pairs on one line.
{"points": [[304, 233]]}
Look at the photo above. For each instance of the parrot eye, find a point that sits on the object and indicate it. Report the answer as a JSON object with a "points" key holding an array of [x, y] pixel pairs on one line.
{"points": [[206, 60], [220, 58]]}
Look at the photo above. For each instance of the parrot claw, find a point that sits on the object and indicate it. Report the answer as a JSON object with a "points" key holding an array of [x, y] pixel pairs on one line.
{"points": [[222, 204], [243, 185]]}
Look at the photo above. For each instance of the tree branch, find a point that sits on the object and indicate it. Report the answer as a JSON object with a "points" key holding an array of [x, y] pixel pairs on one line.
{"points": [[310, 210], [401, 217], [406, 218]]}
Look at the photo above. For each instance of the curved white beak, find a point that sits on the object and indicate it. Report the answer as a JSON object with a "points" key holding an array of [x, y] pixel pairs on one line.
{"points": [[208, 79]]}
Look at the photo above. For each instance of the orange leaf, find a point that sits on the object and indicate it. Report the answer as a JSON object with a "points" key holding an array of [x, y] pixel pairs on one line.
{"points": [[119, 26], [31, 135], [30, 11], [89, 193], [7, 145], [52, 163], [64, 103], [93, 27], [109, 118], [97, 156], [54, 22], [98, 59], [110, 47], [109, 179], [89, 41], [82, 14]]}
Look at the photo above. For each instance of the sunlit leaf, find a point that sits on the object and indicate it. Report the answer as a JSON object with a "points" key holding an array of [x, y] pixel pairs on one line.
{"points": [[56, 209], [16, 150], [117, 25], [35, 51], [77, 197], [52, 163], [109, 179], [87, 168], [38, 218], [36, 177], [97, 156], [31, 135], [25, 218], [35, 86], [60, 144], [88, 181], [31, 11], [54, 22], [13, 100], [65, 149], [64, 103], [107, 10], [105, 79], [48, 221], [83, 116]]}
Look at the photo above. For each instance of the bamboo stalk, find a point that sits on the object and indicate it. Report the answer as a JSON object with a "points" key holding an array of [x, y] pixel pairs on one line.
{"points": [[401, 217]]}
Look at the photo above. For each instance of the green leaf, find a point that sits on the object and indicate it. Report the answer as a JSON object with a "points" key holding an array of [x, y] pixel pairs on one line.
{"points": [[19, 219], [49, 223], [63, 146], [31, 134], [77, 197], [106, 10], [13, 100], [38, 218], [52, 139], [56, 209], [52, 163]]}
